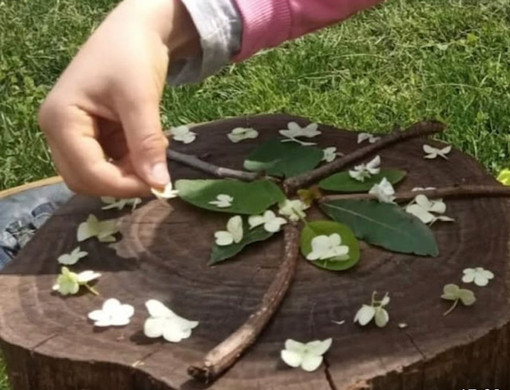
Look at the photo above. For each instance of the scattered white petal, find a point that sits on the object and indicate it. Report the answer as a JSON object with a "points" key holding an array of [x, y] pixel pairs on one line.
{"points": [[163, 322], [365, 171], [328, 248], [222, 201], [233, 234], [308, 356], [362, 137], [329, 154], [374, 311], [432, 152], [167, 193], [73, 257], [381, 317], [92, 227], [384, 191], [271, 222], [119, 204], [452, 292], [112, 313], [426, 209], [478, 275], [338, 322], [241, 133], [183, 134], [364, 315], [295, 131], [68, 283], [293, 209]]}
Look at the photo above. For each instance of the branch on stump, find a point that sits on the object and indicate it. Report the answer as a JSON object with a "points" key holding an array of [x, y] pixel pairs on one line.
{"points": [[204, 166], [224, 355], [417, 130], [459, 191]]}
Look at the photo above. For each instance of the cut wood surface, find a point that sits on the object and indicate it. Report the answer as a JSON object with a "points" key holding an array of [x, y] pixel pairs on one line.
{"points": [[163, 252]]}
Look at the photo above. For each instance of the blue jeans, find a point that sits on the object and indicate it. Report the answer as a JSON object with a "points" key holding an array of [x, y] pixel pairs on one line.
{"points": [[23, 213]]}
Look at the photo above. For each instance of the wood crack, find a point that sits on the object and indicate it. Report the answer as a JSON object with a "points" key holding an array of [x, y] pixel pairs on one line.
{"points": [[328, 376]]}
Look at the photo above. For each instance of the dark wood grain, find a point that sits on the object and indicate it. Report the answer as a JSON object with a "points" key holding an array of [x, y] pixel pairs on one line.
{"points": [[49, 344]]}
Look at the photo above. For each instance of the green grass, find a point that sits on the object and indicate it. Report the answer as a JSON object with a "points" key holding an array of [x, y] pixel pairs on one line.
{"points": [[402, 62]]}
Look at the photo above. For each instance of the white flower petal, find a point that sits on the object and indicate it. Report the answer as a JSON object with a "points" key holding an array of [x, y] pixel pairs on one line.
{"points": [[223, 238], [291, 358], [419, 212], [364, 315], [167, 193], [97, 315], [296, 346], [381, 317], [256, 220], [174, 333], [318, 347], [235, 228], [158, 309], [311, 363], [154, 327], [87, 276]]}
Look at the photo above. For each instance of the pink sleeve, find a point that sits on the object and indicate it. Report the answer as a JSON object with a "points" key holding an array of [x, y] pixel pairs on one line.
{"points": [[267, 23]]}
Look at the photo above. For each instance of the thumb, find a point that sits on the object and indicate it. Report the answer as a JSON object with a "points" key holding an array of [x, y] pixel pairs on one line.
{"points": [[146, 143]]}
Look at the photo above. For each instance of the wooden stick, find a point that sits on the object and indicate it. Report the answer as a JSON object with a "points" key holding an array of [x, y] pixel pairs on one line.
{"points": [[459, 191], [222, 172], [224, 355], [417, 130]]}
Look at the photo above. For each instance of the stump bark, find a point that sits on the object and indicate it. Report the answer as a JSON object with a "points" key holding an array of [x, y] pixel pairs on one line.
{"points": [[49, 344]]}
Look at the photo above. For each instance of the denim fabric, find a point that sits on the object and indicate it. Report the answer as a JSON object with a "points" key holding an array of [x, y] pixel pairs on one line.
{"points": [[23, 213]]}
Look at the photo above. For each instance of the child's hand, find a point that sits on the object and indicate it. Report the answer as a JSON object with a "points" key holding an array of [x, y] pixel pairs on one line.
{"points": [[102, 117]]}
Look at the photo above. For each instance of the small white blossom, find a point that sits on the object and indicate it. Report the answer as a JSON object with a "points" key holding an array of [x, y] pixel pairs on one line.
{"points": [[73, 257], [478, 275], [308, 356], [329, 154], [163, 322], [233, 234], [384, 191], [365, 171], [119, 204], [362, 137], [92, 227], [328, 248], [167, 193], [183, 134], [68, 283], [426, 209], [113, 313], [452, 292], [293, 209], [432, 152], [241, 133], [376, 310], [294, 131], [271, 222], [222, 201]]}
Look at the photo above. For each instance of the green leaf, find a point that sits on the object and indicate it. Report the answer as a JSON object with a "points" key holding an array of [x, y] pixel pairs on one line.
{"points": [[249, 198], [222, 253], [385, 225], [286, 159], [318, 228], [343, 182]]}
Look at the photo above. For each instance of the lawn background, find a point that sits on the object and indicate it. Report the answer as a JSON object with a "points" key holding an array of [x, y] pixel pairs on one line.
{"points": [[401, 62]]}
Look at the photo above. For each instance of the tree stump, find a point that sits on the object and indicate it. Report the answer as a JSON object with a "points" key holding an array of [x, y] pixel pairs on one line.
{"points": [[49, 344]]}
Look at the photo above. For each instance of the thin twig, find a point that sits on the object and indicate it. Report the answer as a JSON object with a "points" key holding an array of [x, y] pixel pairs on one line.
{"points": [[222, 172], [459, 191], [417, 130], [224, 355]]}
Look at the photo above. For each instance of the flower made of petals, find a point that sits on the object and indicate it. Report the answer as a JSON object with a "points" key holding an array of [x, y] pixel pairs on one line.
{"points": [[271, 222], [365, 171], [293, 209], [425, 209], [92, 227], [328, 248], [241, 133], [362, 137], [183, 134], [376, 310], [167, 193], [294, 131], [452, 292], [73, 257], [222, 201], [112, 313], [384, 191], [329, 154], [478, 275], [163, 322], [68, 283], [308, 356], [233, 234], [432, 152]]}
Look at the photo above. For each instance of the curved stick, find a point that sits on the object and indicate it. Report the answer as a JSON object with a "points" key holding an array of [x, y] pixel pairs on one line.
{"points": [[224, 355], [460, 191], [222, 172], [417, 130]]}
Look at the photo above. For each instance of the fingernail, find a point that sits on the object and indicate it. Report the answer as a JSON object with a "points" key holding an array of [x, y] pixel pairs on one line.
{"points": [[160, 174]]}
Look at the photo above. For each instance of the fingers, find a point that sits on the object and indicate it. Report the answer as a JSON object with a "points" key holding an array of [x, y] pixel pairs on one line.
{"points": [[80, 158], [146, 142]]}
